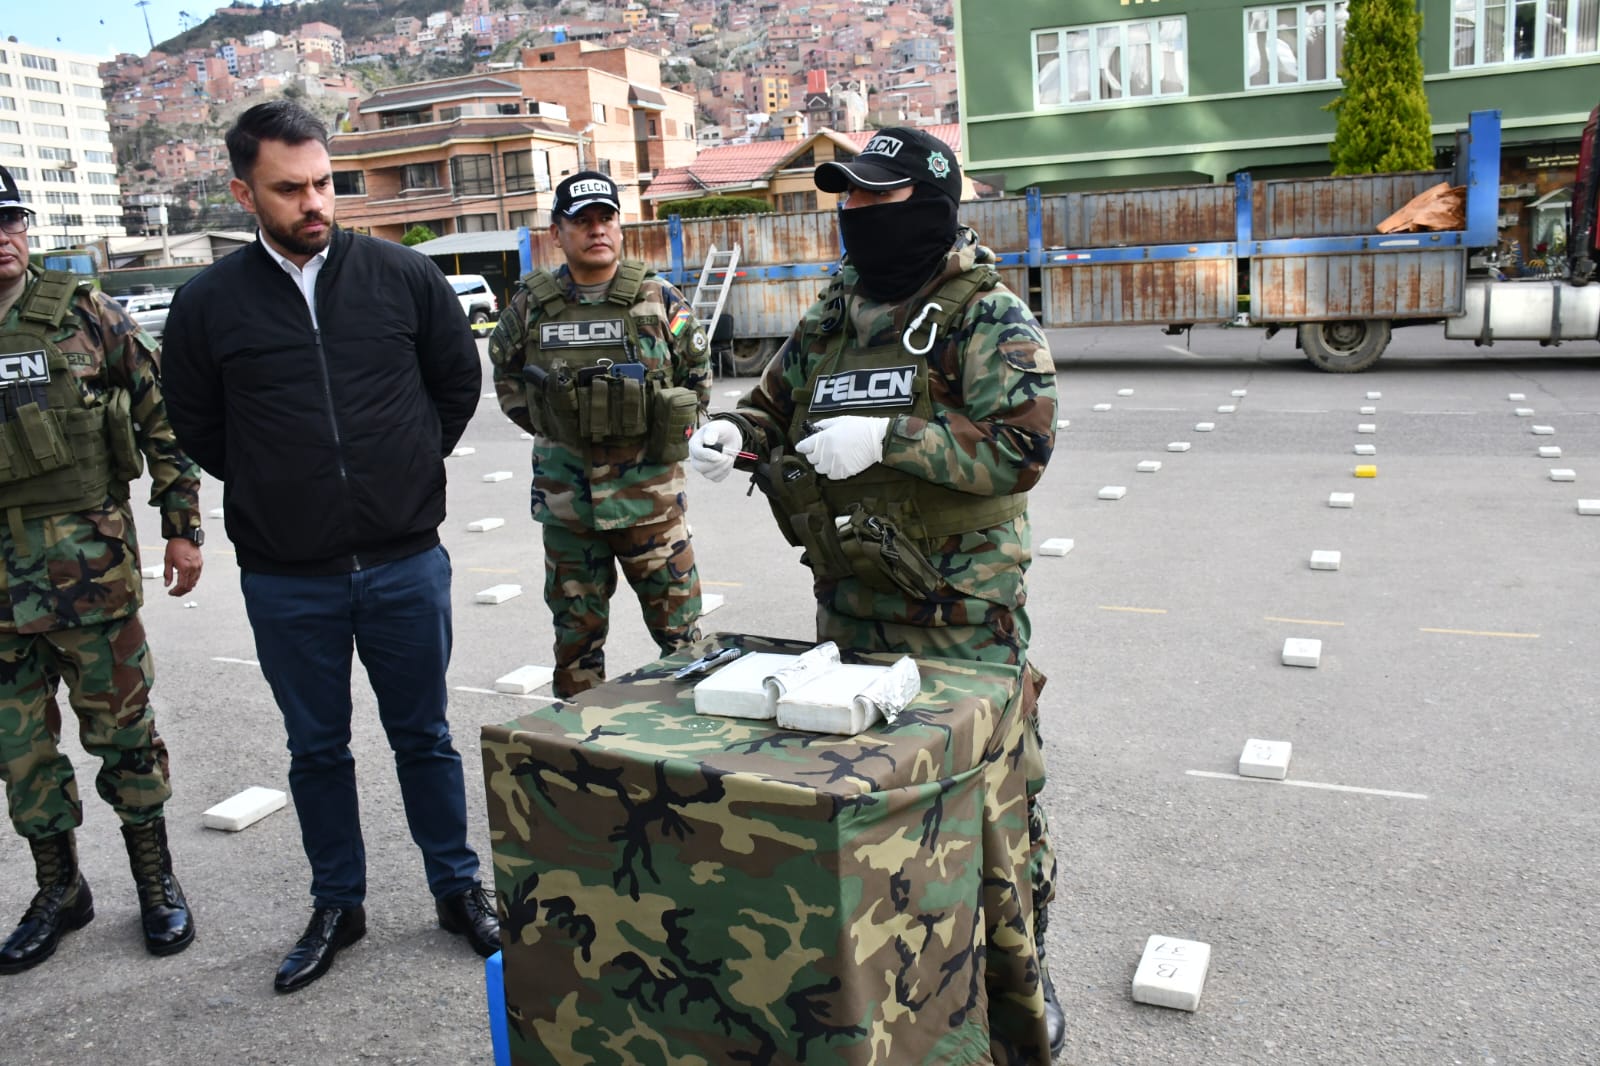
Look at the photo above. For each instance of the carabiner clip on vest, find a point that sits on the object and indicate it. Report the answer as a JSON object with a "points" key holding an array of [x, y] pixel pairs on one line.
{"points": [[916, 324]]}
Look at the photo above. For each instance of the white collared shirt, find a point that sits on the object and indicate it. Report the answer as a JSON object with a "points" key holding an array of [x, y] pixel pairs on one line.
{"points": [[305, 277]]}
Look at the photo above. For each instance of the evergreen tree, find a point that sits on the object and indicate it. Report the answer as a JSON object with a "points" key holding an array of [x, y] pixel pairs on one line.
{"points": [[417, 234], [1383, 111]]}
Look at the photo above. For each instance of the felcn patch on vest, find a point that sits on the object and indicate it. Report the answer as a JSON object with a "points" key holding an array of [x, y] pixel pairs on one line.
{"points": [[595, 333], [680, 321], [890, 387], [25, 368]]}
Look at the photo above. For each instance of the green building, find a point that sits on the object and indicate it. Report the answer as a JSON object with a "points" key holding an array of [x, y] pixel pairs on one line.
{"points": [[1098, 94]]}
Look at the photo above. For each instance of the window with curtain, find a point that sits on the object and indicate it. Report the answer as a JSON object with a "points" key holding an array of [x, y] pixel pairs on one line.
{"points": [[1112, 61], [1486, 32]]}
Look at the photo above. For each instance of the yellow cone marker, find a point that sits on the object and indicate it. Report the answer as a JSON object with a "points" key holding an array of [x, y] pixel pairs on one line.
{"points": [[1366, 470]]}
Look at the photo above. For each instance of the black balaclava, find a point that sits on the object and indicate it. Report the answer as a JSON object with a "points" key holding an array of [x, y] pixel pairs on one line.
{"points": [[895, 248]]}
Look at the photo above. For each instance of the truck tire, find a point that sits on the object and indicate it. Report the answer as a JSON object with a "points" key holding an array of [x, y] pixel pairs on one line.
{"points": [[751, 355], [479, 317], [1345, 347]]}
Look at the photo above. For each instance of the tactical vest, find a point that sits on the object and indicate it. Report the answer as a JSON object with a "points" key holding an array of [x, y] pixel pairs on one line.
{"points": [[879, 524], [56, 452]]}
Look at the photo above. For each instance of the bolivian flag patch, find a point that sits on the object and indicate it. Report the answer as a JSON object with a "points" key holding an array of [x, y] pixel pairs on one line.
{"points": [[680, 321]]}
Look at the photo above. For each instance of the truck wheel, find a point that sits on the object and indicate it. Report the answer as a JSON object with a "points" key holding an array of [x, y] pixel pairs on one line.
{"points": [[750, 356], [1344, 347], [479, 317]]}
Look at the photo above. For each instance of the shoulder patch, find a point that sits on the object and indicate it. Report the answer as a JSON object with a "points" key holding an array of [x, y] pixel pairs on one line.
{"points": [[680, 321]]}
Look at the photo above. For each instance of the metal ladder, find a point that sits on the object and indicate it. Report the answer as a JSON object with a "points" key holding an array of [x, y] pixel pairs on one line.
{"points": [[711, 292]]}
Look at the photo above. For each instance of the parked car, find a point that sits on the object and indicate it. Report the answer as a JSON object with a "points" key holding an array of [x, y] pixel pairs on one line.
{"points": [[149, 310], [478, 301]]}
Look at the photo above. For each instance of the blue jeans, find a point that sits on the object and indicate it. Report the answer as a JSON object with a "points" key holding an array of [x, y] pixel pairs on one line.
{"points": [[396, 616]]}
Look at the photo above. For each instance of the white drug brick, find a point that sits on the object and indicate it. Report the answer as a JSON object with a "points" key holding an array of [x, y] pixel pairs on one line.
{"points": [[463, 450], [1560, 474], [1149, 466], [1056, 546], [215, 512], [1324, 560], [1063, 423], [483, 525], [1515, 396], [191, 604], [710, 601], [1524, 412], [1102, 407], [1368, 410], [1374, 395], [152, 573], [1204, 427], [524, 436], [1341, 499], [487, 396], [1550, 451], [734, 392], [524, 679], [1124, 392], [1265, 758], [1239, 393], [1178, 446], [1366, 449], [497, 475], [1172, 973], [1302, 651], [1226, 408], [1544, 431], [1113, 492], [498, 594], [1367, 427], [244, 809], [1589, 506]]}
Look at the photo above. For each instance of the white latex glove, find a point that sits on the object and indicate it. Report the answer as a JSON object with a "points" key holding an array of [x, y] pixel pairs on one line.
{"points": [[844, 446], [713, 448]]}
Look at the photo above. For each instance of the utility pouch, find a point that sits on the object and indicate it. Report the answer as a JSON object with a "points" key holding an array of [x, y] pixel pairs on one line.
{"points": [[35, 441], [672, 415], [611, 407], [803, 516], [127, 461], [557, 405], [883, 559]]}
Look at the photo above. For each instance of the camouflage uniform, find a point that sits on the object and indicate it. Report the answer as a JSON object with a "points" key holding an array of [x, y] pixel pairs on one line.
{"points": [[604, 505], [70, 596], [992, 430]]}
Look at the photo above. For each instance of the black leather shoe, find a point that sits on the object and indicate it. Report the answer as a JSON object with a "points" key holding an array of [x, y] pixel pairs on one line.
{"points": [[469, 913], [331, 929], [53, 913]]}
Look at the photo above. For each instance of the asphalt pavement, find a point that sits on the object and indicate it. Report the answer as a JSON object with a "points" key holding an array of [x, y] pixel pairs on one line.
{"points": [[1416, 893]]}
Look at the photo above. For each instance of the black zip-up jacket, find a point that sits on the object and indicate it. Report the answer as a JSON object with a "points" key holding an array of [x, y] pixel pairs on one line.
{"points": [[330, 440]]}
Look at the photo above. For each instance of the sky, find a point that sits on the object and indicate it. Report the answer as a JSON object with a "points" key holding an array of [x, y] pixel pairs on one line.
{"points": [[98, 28]]}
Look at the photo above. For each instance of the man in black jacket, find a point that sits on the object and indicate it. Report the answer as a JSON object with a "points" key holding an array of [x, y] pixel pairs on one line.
{"points": [[323, 376]]}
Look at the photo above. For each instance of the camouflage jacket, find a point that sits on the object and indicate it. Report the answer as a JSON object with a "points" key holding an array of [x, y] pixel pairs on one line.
{"points": [[992, 384], [601, 487], [83, 569]]}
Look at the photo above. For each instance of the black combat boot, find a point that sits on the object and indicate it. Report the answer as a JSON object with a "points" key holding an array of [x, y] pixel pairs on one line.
{"points": [[1055, 1019], [62, 904], [168, 925]]}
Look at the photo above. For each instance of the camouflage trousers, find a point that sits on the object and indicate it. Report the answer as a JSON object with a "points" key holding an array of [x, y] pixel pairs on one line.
{"points": [[1002, 638], [108, 672], [580, 576]]}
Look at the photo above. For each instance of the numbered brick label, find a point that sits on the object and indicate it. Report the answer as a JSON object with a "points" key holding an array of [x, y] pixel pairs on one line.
{"points": [[1172, 973]]}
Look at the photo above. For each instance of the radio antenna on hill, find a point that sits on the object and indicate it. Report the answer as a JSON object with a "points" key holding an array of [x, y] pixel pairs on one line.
{"points": [[141, 5]]}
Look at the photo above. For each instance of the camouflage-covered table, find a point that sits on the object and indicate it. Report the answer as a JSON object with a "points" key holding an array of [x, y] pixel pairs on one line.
{"points": [[678, 889]]}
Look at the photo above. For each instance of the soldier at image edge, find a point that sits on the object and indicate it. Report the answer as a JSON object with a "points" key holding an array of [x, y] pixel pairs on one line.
{"points": [[605, 364], [81, 408], [900, 428]]}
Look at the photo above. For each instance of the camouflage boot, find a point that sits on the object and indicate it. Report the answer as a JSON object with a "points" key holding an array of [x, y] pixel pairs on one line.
{"points": [[63, 903], [168, 925], [1055, 1019]]}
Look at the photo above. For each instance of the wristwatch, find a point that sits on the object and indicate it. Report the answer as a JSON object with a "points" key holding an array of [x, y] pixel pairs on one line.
{"points": [[195, 536]]}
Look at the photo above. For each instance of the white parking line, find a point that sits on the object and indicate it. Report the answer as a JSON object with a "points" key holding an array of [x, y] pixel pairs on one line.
{"points": [[1310, 784], [1180, 351]]}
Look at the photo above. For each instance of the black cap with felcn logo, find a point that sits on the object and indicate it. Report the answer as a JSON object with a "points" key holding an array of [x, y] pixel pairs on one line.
{"points": [[894, 158], [10, 195], [584, 189]]}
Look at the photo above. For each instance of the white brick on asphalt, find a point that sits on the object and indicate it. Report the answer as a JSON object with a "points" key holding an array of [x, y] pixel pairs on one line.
{"points": [[1515, 396], [733, 392], [1149, 466], [1102, 407], [1368, 410], [1367, 427], [1524, 412], [1204, 427], [1366, 449], [1172, 973], [1550, 451], [1562, 474], [1341, 499], [243, 809], [1056, 546], [524, 679], [1226, 408], [1239, 393], [152, 573], [1124, 392], [497, 475], [1113, 492], [1265, 758], [1589, 506], [215, 512], [1063, 423], [1544, 431], [498, 594], [1178, 446], [463, 450], [524, 436], [483, 525], [1324, 560], [1302, 651], [709, 601], [1374, 395]]}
